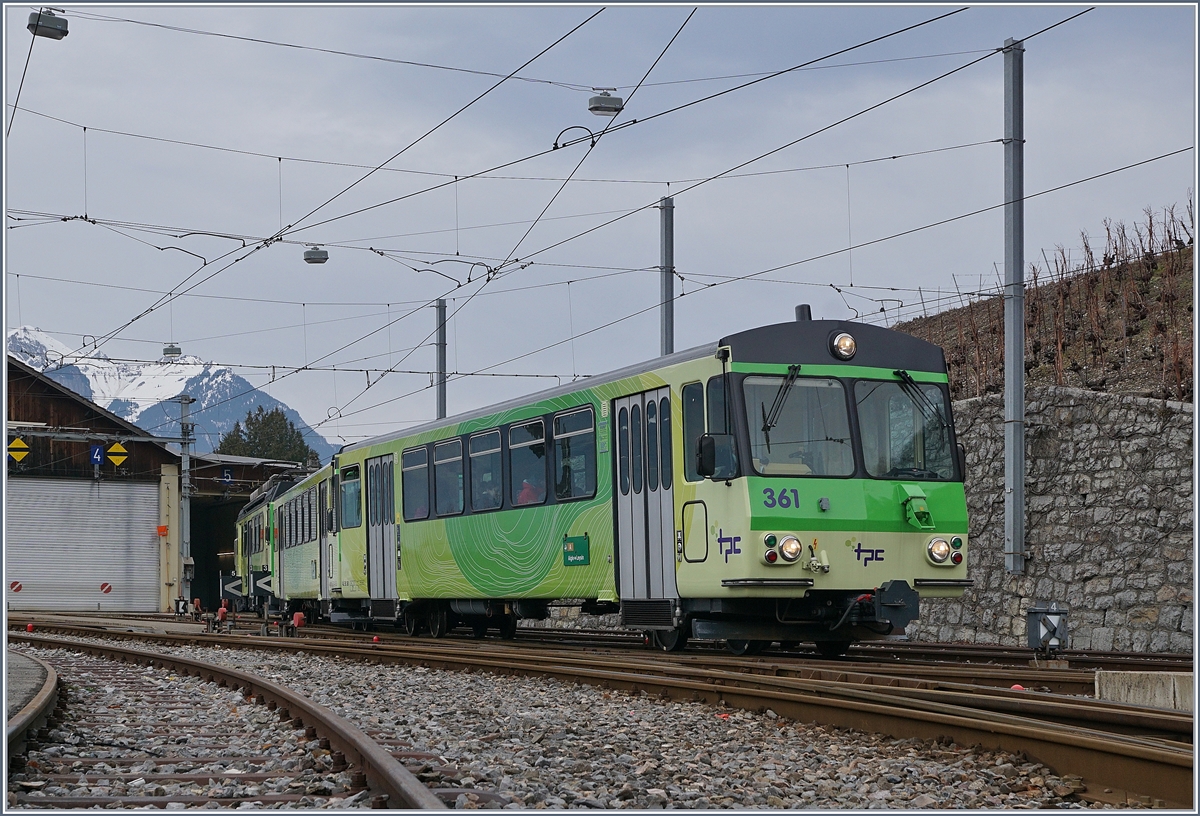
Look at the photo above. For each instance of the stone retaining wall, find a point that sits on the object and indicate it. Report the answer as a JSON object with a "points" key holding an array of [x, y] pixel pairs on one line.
{"points": [[1109, 523]]}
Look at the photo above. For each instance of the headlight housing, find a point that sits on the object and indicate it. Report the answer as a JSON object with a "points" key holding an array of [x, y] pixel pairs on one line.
{"points": [[844, 346], [939, 550], [790, 548]]}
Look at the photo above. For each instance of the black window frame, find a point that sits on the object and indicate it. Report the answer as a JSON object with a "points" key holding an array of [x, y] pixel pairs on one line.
{"points": [[404, 488], [462, 487], [693, 427], [512, 481], [350, 474], [497, 473], [592, 459]]}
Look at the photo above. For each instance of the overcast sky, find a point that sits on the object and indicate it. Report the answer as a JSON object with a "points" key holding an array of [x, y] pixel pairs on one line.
{"points": [[297, 126]]}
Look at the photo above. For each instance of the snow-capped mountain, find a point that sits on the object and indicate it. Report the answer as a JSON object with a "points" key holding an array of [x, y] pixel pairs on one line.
{"points": [[139, 392]]}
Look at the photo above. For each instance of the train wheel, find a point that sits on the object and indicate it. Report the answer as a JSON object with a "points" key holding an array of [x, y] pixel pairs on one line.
{"points": [[411, 623], [746, 647], [479, 630], [508, 627], [833, 648], [669, 640], [438, 621]]}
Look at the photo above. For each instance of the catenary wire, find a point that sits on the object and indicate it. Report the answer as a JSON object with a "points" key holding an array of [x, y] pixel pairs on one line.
{"points": [[639, 312], [255, 249], [464, 177], [545, 209], [809, 135]]}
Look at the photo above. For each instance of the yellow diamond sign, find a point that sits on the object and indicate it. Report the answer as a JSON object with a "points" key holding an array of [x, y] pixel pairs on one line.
{"points": [[117, 454], [17, 449]]}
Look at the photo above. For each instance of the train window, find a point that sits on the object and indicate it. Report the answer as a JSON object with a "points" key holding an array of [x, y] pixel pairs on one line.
{"points": [[389, 492], [527, 463], [414, 483], [322, 500], [904, 430], [651, 445], [309, 532], [623, 455], [693, 428], [373, 493], [448, 477], [716, 406], [664, 433], [486, 492], [635, 447], [803, 431], [575, 455], [351, 497]]}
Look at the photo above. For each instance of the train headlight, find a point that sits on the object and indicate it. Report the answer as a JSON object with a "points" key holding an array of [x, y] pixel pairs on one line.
{"points": [[770, 556], [844, 346], [770, 541], [790, 548], [939, 550]]}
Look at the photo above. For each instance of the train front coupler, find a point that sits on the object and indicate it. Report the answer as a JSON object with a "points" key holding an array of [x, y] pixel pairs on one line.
{"points": [[889, 607]]}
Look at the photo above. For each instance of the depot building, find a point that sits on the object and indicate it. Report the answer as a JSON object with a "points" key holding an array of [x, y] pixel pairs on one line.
{"points": [[92, 506]]}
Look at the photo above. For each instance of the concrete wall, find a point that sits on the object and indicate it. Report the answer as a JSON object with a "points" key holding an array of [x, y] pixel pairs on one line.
{"points": [[1109, 523]]}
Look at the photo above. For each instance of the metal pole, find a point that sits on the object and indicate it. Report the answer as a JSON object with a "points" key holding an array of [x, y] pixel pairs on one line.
{"points": [[441, 358], [667, 272], [185, 497], [1014, 308]]}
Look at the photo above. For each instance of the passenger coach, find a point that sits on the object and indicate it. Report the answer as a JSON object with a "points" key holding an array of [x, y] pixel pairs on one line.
{"points": [[795, 482]]}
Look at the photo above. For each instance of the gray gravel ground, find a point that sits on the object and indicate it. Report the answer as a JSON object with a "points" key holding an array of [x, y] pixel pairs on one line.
{"points": [[542, 743]]}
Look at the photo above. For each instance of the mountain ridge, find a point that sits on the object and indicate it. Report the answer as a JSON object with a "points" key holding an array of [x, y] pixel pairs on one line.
{"points": [[143, 393]]}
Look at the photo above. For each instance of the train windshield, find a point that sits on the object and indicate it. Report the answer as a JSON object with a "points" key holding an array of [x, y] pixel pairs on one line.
{"points": [[799, 426], [905, 429]]}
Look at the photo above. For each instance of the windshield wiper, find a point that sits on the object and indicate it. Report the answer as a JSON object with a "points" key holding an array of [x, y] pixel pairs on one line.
{"points": [[910, 387], [772, 419]]}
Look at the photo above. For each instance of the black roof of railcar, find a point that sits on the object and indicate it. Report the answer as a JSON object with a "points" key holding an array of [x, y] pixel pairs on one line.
{"points": [[810, 342]]}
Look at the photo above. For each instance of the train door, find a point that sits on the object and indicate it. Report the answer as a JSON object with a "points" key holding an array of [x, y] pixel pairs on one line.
{"points": [[381, 527], [324, 550], [645, 497]]}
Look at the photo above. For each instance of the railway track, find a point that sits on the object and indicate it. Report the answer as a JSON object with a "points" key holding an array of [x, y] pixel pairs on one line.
{"points": [[870, 652], [1119, 753], [122, 735]]}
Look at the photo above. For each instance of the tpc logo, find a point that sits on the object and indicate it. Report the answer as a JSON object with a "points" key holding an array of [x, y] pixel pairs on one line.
{"points": [[728, 544], [867, 555]]}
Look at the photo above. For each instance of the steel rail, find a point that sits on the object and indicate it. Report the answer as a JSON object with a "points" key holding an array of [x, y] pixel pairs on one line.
{"points": [[1062, 681], [384, 772], [1111, 763], [34, 713]]}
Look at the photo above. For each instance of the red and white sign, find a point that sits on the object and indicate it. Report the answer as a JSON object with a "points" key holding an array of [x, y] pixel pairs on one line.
{"points": [[15, 586], [106, 588]]}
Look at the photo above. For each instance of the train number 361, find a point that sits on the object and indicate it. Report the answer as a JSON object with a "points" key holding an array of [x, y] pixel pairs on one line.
{"points": [[771, 499]]}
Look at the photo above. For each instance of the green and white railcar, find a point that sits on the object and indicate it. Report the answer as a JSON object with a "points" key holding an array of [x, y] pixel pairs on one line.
{"points": [[255, 550], [795, 482], [306, 571]]}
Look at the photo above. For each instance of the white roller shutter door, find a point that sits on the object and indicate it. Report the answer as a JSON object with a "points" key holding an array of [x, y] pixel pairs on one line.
{"points": [[76, 545]]}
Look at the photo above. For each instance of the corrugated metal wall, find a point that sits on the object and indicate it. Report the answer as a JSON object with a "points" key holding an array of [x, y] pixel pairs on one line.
{"points": [[68, 539]]}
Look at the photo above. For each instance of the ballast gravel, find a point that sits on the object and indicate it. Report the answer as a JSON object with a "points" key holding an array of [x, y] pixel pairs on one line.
{"points": [[541, 743]]}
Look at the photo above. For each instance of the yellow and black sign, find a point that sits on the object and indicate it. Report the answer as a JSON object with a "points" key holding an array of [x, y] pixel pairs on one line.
{"points": [[117, 454], [17, 449]]}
